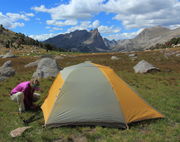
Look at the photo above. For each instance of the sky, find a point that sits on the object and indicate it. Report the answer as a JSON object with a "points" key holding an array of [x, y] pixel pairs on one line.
{"points": [[115, 19]]}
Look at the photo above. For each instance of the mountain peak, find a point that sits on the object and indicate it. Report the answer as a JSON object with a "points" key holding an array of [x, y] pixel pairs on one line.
{"points": [[148, 38], [79, 40], [156, 28], [94, 30], [150, 33]]}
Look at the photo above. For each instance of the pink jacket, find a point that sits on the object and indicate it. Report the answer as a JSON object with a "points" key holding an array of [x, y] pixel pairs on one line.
{"points": [[28, 93]]}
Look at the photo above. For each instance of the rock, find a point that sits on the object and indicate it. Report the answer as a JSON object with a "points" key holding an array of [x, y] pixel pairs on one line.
{"points": [[114, 58], [9, 55], [170, 53], [7, 64], [19, 131], [32, 64], [134, 58], [2, 78], [58, 57], [177, 55], [1, 56], [6, 71], [63, 55], [36, 97], [178, 45], [47, 67], [132, 55], [144, 67]]}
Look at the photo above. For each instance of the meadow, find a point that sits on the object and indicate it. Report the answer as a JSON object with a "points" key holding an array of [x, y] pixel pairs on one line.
{"points": [[159, 89]]}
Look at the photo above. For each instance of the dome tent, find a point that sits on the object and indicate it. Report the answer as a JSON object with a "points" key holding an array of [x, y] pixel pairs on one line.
{"points": [[92, 94]]}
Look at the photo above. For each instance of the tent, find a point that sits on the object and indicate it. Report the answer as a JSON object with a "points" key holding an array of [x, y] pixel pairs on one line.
{"points": [[92, 94]]}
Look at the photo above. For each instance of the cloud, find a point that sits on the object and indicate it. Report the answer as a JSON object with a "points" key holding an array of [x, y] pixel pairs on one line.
{"points": [[124, 35], [108, 30], [10, 20], [41, 9], [75, 9], [136, 7], [95, 24], [16, 16], [174, 26], [51, 29], [29, 14], [83, 26], [131, 13], [144, 13], [43, 37], [62, 23]]}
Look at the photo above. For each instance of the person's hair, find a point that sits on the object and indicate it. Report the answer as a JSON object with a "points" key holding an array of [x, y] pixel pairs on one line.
{"points": [[34, 81]]}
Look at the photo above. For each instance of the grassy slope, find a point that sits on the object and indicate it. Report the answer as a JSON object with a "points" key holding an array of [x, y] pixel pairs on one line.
{"points": [[161, 90]]}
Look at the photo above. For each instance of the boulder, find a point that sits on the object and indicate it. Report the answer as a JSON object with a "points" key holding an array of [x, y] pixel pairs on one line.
{"points": [[114, 58], [9, 55], [32, 64], [144, 67], [47, 67], [6, 71], [7, 64]]}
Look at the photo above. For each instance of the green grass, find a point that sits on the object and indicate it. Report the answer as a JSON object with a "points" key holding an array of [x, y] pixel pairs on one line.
{"points": [[161, 90]]}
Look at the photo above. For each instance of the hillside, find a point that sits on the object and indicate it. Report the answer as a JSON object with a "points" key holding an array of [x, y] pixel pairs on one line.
{"points": [[10, 39], [110, 43], [147, 38], [21, 44]]}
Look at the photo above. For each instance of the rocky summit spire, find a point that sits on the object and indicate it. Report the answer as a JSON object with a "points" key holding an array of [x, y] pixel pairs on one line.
{"points": [[95, 30], [80, 40]]}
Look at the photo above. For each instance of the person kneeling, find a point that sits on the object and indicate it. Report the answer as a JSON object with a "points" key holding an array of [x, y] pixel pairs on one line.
{"points": [[24, 94]]}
